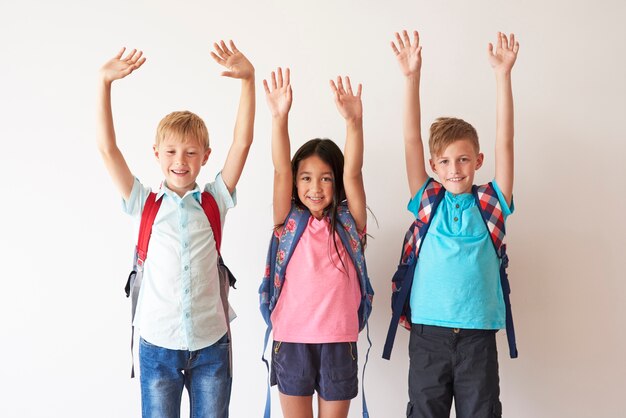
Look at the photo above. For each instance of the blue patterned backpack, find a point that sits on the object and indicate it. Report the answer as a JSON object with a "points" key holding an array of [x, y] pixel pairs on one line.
{"points": [[280, 251], [491, 211]]}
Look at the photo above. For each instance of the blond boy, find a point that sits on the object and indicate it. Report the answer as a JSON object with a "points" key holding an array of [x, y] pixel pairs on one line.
{"points": [[181, 323]]}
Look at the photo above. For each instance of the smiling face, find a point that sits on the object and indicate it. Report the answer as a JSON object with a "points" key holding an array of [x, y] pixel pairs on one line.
{"points": [[456, 166], [180, 161], [315, 185]]}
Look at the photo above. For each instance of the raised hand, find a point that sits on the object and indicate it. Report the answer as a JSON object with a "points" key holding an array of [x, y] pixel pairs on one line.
{"points": [[119, 67], [409, 54], [231, 58], [503, 58], [279, 97], [348, 103]]}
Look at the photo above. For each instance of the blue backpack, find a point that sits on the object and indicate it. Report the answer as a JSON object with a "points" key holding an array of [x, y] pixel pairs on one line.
{"points": [[280, 252], [401, 283]]}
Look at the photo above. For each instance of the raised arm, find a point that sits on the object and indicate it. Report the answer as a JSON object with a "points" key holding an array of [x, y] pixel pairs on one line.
{"points": [[116, 68], [279, 98], [409, 55], [238, 67], [351, 108], [502, 61]]}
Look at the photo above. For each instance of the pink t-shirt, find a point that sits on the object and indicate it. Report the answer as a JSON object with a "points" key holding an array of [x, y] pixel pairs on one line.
{"points": [[319, 302]]}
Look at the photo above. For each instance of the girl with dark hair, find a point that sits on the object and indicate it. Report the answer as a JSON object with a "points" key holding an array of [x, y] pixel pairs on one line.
{"points": [[316, 320]]}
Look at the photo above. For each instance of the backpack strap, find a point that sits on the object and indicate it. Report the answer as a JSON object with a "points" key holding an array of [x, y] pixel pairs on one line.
{"points": [[353, 244], [489, 205], [278, 256], [212, 211], [402, 280], [133, 284]]}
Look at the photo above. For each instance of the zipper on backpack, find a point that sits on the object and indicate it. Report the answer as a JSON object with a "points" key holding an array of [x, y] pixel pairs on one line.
{"points": [[351, 352], [277, 346]]}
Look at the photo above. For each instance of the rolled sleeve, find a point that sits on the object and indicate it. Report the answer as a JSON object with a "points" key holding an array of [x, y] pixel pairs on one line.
{"points": [[414, 203], [223, 198], [506, 209], [138, 196]]}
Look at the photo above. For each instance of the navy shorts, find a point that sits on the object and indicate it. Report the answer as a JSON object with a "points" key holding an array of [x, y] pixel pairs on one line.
{"points": [[453, 362], [331, 369]]}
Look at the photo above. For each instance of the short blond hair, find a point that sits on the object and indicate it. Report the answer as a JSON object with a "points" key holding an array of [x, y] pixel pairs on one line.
{"points": [[445, 131], [185, 126]]}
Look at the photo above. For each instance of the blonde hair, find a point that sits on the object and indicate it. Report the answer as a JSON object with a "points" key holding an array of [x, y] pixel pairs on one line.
{"points": [[185, 126], [445, 131]]}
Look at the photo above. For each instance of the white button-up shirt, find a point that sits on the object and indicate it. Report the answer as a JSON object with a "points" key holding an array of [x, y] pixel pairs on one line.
{"points": [[179, 305]]}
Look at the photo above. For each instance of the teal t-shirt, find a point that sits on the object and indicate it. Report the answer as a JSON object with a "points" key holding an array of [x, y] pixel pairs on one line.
{"points": [[457, 277]]}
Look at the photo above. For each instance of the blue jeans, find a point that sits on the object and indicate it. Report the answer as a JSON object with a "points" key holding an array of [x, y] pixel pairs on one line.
{"points": [[205, 373]]}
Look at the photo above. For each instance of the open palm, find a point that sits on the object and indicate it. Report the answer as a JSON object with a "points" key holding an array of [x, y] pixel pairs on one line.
{"points": [[409, 54], [503, 58], [279, 97], [231, 58]]}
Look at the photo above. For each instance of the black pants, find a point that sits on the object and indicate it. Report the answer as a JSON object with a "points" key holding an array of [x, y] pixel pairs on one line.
{"points": [[448, 363]]}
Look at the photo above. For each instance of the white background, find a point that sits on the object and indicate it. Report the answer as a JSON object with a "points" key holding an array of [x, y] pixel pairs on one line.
{"points": [[66, 246]]}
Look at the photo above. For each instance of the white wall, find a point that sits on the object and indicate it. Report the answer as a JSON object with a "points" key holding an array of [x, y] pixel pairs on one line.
{"points": [[66, 246]]}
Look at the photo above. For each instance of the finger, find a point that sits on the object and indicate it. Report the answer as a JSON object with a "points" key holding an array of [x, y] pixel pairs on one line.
{"points": [[273, 81], [219, 50], [129, 56], [233, 47], [287, 77], [335, 90], [399, 40], [499, 43], [419, 52], [231, 74], [225, 48], [217, 58], [490, 49], [405, 36], [289, 93], [119, 54], [512, 41], [516, 47], [333, 87], [358, 91], [395, 50], [139, 63], [340, 86], [136, 57], [416, 38], [266, 87], [280, 77], [505, 41], [349, 86]]}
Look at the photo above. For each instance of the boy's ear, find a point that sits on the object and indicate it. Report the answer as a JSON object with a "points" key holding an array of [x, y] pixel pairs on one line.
{"points": [[479, 160], [205, 158], [155, 149], [432, 165]]}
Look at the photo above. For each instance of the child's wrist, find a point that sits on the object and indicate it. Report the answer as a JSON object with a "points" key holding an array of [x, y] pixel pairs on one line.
{"points": [[413, 78], [354, 122]]}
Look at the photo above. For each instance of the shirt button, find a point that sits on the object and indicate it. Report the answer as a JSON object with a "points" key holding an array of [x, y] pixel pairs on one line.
{"points": [[456, 219], [186, 291], [182, 205], [456, 330], [457, 206], [186, 268], [186, 244], [186, 315]]}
